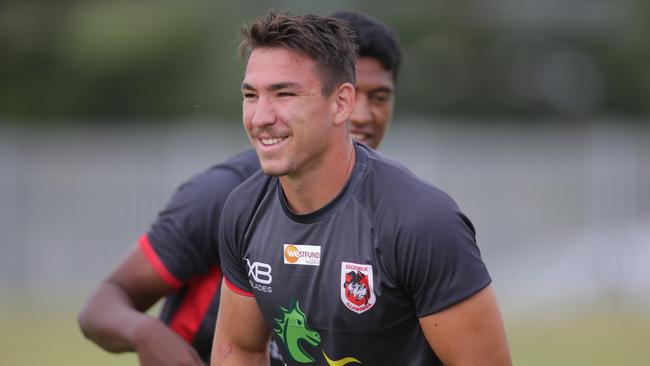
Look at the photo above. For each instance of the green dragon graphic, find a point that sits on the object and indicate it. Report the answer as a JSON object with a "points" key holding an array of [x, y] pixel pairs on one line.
{"points": [[293, 328]]}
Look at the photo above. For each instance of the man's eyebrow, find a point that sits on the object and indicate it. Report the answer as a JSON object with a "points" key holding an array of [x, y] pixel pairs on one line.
{"points": [[283, 85], [382, 89], [272, 87]]}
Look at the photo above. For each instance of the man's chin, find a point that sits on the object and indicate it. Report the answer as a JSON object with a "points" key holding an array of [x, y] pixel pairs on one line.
{"points": [[273, 169]]}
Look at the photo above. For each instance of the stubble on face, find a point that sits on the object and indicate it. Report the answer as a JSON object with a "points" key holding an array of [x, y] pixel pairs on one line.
{"points": [[281, 109]]}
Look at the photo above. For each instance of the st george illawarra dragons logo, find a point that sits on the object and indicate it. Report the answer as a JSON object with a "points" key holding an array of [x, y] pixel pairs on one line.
{"points": [[357, 287]]}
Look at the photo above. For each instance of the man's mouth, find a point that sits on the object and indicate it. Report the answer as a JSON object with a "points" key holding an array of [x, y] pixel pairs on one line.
{"points": [[272, 141]]}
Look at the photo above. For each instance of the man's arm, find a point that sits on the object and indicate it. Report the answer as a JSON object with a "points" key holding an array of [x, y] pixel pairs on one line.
{"points": [[241, 335], [469, 333], [114, 316]]}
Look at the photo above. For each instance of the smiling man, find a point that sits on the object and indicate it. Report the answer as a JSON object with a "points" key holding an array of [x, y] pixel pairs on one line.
{"points": [[339, 253], [284, 119], [177, 258]]}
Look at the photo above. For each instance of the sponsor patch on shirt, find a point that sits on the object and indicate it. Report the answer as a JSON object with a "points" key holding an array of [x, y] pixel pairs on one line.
{"points": [[356, 287], [308, 255], [259, 276]]}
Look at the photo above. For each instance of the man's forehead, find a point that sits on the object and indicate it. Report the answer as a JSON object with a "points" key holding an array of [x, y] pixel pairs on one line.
{"points": [[372, 74], [280, 58], [272, 67]]}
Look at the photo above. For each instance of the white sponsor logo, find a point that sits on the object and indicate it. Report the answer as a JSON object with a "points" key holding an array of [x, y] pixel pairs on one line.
{"points": [[302, 254], [259, 275]]}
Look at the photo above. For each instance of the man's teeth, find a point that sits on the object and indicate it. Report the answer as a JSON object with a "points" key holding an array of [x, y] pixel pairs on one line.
{"points": [[272, 141]]}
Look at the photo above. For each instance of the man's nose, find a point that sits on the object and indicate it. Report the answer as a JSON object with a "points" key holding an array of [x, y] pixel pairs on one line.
{"points": [[361, 112], [264, 112]]}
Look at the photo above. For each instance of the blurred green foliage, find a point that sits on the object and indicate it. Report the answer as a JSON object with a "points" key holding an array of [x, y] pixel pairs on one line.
{"points": [[160, 60]]}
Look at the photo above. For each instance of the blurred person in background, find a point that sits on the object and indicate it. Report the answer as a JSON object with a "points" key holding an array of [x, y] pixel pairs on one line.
{"points": [[177, 258], [382, 269]]}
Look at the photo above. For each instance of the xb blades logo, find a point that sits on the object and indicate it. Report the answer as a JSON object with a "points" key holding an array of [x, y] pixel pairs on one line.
{"points": [[261, 272]]}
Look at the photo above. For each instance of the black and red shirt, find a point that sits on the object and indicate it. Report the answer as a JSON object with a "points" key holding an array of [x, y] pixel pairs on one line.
{"points": [[182, 246]]}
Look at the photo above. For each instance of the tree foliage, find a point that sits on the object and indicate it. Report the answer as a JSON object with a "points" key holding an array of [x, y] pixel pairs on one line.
{"points": [[160, 60]]}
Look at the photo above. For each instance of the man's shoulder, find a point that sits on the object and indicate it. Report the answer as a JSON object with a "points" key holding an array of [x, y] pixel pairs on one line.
{"points": [[408, 212], [227, 174], [255, 185], [243, 201], [250, 192], [243, 164], [390, 176], [209, 188], [394, 191]]}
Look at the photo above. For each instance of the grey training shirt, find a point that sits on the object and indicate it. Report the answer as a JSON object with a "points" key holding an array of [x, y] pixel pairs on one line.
{"points": [[348, 282]]}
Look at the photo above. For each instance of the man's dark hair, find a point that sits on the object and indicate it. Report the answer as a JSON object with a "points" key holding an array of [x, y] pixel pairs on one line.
{"points": [[326, 40], [374, 39]]}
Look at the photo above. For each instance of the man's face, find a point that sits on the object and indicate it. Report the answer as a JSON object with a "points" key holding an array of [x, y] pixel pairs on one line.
{"points": [[374, 102], [287, 118]]}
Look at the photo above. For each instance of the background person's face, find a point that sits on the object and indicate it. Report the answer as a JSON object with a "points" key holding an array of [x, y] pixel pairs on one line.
{"points": [[374, 102]]}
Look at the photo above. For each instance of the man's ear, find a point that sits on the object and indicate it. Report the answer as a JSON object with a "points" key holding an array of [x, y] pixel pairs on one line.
{"points": [[344, 99]]}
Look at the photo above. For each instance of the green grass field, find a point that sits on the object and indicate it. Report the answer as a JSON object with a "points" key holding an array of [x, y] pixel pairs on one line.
{"points": [[592, 338]]}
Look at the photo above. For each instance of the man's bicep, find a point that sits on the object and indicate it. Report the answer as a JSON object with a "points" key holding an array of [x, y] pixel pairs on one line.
{"points": [[241, 335], [470, 332]]}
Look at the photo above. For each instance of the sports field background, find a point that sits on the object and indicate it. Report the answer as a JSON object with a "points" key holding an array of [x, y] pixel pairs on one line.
{"points": [[532, 114], [589, 336], [562, 217]]}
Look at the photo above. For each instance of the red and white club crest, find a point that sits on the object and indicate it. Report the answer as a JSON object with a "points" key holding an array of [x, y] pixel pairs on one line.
{"points": [[356, 287]]}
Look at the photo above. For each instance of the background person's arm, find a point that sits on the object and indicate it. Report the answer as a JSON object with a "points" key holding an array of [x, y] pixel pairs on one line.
{"points": [[114, 316], [470, 332], [241, 335]]}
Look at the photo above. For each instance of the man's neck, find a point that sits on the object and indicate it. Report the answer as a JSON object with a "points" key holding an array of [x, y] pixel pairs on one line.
{"points": [[314, 189]]}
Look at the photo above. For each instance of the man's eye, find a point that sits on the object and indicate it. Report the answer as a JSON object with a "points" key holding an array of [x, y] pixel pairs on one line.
{"points": [[380, 98], [285, 94], [249, 95]]}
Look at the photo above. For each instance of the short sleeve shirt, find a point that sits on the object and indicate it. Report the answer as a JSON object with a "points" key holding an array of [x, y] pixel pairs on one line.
{"points": [[182, 247], [349, 281]]}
